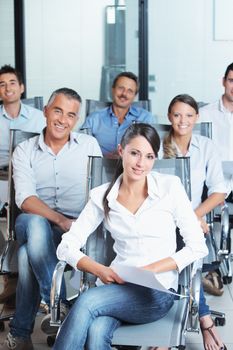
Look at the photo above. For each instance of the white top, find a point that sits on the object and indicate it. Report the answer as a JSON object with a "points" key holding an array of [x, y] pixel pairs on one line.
{"points": [[144, 237], [205, 167], [222, 132], [60, 179], [29, 119], [222, 127]]}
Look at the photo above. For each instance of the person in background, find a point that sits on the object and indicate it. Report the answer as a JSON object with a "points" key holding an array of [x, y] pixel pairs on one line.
{"points": [[140, 209], [220, 114], [13, 115], [49, 173], [109, 124], [205, 169]]}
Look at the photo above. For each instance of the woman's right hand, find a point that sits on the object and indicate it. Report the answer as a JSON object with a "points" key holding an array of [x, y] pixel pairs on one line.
{"points": [[204, 225], [108, 276]]}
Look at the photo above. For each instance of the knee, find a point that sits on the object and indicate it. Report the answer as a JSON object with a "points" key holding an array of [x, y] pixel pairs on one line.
{"points": [[97, 337], [23, 262], [22, 255], [89, 301], [31, 224]]}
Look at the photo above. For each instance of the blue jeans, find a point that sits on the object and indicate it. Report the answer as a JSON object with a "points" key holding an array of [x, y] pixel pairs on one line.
{"points": [[37, 239], [98, 312], [203, 307]]}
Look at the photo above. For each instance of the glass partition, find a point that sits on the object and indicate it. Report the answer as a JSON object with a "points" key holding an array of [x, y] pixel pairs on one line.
{"points": [[185, 55], [7, 48], [82, 46]]}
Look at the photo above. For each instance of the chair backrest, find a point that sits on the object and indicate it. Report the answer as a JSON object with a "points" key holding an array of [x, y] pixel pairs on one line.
{"points": [[94, 105], [16, 137], [36, 102], [203, 129], [101, 170]]}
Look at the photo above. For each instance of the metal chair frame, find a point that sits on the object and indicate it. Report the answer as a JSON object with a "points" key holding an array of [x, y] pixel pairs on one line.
{"points": [[8, 258]]}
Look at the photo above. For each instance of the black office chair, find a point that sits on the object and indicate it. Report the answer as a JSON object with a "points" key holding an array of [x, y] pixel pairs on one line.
{"points": [[36, 102]]}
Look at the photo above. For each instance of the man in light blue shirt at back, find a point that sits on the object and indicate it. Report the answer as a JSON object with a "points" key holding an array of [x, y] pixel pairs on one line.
{"points": [[13, 115], [109, 124]]}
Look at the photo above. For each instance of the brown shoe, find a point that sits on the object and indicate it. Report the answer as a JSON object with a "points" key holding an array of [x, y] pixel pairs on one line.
{"points": [[212, 284], [9, 288]]}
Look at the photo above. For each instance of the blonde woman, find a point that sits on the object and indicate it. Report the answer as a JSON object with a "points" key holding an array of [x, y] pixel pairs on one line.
{"points": [[205, 169]]}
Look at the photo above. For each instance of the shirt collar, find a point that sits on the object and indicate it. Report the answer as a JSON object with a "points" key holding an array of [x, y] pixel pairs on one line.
{"points": [[22, 112], [193, 143], [132, 111], [153, 180], [221, 106], [74, 138]]}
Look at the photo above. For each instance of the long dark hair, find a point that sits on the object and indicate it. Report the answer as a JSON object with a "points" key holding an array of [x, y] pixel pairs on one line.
{"points": [[134, 130]]}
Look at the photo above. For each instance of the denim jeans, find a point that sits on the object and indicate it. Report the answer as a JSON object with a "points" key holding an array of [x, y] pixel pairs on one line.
{"points": [[98, 312], [203, 307], [37, 239]]}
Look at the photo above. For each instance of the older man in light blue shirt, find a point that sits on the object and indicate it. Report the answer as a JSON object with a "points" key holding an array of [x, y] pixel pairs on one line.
{"points": [[108, 125], [50, 172]]}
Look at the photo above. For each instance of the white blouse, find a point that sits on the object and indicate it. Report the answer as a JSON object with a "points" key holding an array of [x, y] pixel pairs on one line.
{"points": [[146, 236]]}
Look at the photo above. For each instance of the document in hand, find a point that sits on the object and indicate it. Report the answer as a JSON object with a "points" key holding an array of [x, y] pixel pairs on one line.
{"points": [[139, 276]]}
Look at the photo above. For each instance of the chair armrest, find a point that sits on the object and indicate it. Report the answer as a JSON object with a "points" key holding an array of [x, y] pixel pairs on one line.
{"points": [[56, 289], [55, 292], [194, 296], [225, 227]]}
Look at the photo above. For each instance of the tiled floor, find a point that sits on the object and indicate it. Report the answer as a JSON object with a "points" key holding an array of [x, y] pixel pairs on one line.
{"points": [[194, 341]]}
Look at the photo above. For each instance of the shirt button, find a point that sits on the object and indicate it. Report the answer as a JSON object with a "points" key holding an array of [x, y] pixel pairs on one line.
{"points": [[56, 173], [57, 188]]}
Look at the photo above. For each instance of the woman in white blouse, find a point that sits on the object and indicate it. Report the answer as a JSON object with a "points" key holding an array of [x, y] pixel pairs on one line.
{"points": [[141, 211], [205, 169]]}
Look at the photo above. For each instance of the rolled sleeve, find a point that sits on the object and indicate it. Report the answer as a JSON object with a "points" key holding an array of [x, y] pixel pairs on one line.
{"points": [[76, 237], [214, 175], [23, 174], [195, 247]]}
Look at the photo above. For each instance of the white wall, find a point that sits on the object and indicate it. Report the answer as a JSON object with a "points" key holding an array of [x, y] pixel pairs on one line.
{"points": [[64, 46], [7, 32], [132, 36], [183, 54]]}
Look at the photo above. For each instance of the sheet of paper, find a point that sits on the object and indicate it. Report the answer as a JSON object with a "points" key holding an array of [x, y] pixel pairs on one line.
{"points": [[139, 276]]}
